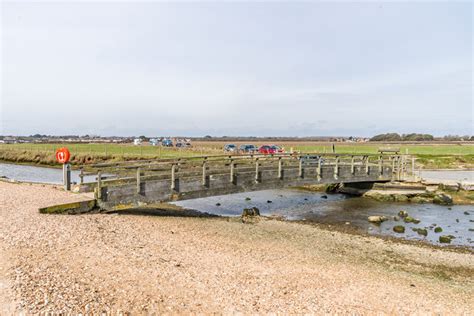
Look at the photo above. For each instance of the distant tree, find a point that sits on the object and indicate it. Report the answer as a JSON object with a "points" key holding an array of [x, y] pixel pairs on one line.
{"points": [[208, 136], [386, 137], [417, 137]]}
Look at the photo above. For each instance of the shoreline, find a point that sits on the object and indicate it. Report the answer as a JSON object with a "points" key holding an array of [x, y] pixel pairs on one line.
{"points": [[161, 264]]}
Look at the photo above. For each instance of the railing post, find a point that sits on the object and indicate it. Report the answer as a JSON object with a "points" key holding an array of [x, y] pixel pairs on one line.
{"points": [[257, 177], [300, 167], [99, 185], [380, 165], [393, 166], [173, 176], [232, 167], [352, 165], [81, 176], [318, 170], [204, 176], [336, 167], [280, 171], [367, 170], [67, 176], [138, 181]]}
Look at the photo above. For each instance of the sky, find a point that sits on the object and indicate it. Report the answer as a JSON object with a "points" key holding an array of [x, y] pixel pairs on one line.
{"points": [[236, 68]]}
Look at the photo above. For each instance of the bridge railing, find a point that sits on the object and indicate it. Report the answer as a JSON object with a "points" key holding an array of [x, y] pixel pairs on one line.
{"points": [[124, 173]]}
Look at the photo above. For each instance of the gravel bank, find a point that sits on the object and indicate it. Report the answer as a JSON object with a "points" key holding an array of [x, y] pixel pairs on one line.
{"points": [[131, 263]]}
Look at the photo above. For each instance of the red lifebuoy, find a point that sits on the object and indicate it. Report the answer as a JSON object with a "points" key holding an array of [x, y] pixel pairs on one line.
{"points": [[63, 155]]}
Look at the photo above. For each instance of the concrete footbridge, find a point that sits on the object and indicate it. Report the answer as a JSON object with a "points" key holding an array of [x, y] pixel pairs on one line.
{"points": [[124, 185]]}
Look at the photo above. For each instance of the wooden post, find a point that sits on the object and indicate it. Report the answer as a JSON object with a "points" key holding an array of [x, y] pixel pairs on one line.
{"points": [[380, 165], [138, 181], [232, 167], [393, 166], [67, 176], [280, 168], [336, 167], [300, 168], [173, 176], [367, 170], [99, 185], [257, 178], [204, 176], [318, 170], [81, 176], [352, 165]]}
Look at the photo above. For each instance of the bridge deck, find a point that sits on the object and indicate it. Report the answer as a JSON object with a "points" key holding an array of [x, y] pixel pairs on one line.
{"points": [[123, 185]]}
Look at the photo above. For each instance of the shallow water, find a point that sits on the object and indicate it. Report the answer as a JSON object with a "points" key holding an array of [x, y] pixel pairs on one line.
{"points": [[37, 174], [339, 209]]}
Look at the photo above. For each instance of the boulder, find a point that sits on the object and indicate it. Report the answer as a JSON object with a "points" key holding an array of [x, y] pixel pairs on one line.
{"points": [[443, 199], [253, 211], [421, 231], [410, 219], [399, 229], [403, 213], [377, 219], [438, 230], [445, 239]]}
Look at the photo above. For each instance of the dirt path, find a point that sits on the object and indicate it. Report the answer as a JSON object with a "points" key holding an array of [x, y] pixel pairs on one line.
{"points": [[137, 263]]}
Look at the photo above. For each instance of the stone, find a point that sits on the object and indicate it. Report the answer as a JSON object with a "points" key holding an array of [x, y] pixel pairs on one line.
{"points": [[438, 230], [445, 239], [324, 196], [401, 198], [396, 218], [421, 231], [410, 219], [247, 199], [218, 204], [253, 211], [269, 201], [403, 213], [466, 213], [399, 229], [420, 199], [443, 199], [377, 219]]}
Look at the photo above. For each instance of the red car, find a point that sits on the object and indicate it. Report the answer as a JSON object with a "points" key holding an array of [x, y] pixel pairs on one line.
{"points": [[269, 149]]}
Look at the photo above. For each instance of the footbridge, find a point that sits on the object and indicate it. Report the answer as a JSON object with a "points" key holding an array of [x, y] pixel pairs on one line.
{"points": [[130, 184]]}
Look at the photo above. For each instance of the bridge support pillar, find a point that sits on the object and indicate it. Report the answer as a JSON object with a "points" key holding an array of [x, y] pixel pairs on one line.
{"points": [[138, 181], [257, 173], [232, 172], [336, 168], [173, 177], [318, 170]]}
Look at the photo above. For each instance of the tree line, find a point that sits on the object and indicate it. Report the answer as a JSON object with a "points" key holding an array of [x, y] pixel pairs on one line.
{"points": [[395, 137]]}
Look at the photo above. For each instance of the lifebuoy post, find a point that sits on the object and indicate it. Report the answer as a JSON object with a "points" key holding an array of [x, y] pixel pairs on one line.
{"points": [[62, 156]]}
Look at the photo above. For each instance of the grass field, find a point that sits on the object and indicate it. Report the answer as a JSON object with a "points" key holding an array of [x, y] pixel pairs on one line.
{"points": [[429, 155]]}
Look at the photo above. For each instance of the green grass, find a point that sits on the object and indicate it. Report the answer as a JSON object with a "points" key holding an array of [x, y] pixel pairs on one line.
{"points": [[434, 156]]}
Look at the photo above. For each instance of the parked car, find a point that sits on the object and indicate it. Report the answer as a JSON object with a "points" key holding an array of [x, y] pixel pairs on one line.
{"points": [[167, 142], [230, 148], [267, 150], [248, 148], [312, 159], [278, 149]]}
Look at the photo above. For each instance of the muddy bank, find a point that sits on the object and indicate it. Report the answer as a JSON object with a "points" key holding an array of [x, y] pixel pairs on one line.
{"points": [[145, 264]]}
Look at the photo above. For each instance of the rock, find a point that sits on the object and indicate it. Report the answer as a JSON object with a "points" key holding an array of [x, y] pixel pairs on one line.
{"points": [[443, 199], [396, 218], [399, 229], [421, 231], [438, 230], [348, 223], [247, 199], [269, 201], [449, 186], [253, 211], [218, 204], [324, 196], [467, 186], [420, 199], [410, 219], [401, 198], [403, 213], [377, 219], [445, 239], [466, 213]]}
